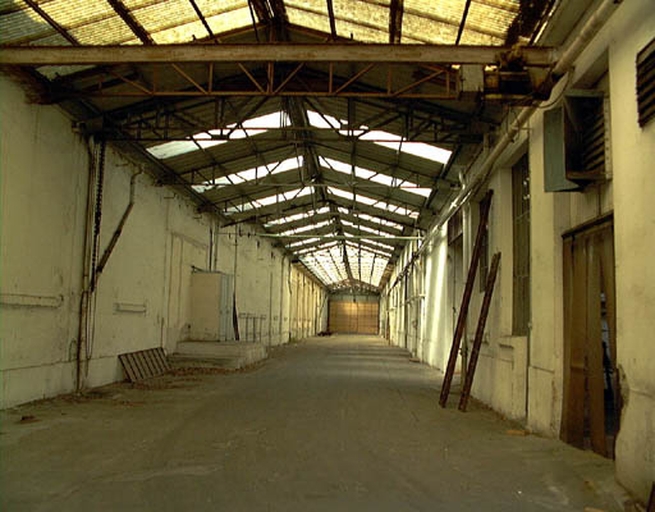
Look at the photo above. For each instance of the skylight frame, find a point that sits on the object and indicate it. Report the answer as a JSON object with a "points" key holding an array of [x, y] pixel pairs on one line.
{"points": [[381, 178]]}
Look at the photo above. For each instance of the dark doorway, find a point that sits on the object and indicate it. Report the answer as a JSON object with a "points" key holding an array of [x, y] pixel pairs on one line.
{"points": [[591, 405]]}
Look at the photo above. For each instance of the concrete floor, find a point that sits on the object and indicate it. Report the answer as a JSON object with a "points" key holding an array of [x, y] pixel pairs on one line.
{"points": [[339, 423]]}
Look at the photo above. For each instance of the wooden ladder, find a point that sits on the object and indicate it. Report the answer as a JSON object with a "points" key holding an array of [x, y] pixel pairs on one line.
{"points": [[466, 299]]}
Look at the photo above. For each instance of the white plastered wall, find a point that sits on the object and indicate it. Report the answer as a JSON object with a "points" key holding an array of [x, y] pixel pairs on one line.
{"points": [[143, 294], [627, 195], [634, 219], [522, 377]]}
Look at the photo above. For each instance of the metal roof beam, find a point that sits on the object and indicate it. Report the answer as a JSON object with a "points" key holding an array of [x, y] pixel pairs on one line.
{"points": [[391, 241], [203, 20], [318, 245], [376, 212], [291, 210], [333, 24], [50, 21], [274, 52], [462, 23], [386, 166], [261, 9], [328, 230], [131, 22], [379, 191], [280, 209], [396, 10], [295, 224], [371, 224], [268, 185]]}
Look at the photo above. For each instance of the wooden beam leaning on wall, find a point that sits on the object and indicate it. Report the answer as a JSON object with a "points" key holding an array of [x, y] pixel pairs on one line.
{"points": [[466, 300], [479, 333]]}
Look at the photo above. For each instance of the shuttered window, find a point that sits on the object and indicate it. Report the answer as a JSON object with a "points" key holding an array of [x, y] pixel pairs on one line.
{"points": [[521, 267], [455, 226], [646, 83]]}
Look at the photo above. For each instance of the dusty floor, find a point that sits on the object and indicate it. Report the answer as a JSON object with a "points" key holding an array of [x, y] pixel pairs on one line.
{"points": [[329, 424]]}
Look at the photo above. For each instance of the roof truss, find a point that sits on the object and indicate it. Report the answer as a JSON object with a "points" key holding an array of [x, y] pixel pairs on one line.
{"points": [[200, 99]]}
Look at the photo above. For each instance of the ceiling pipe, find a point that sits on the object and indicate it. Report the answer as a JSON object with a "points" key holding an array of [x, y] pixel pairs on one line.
{"points": [[563, 65]]}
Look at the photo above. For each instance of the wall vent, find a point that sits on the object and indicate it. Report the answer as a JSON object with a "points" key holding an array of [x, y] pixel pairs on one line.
{"points": [[646, 83], [577, 142]]}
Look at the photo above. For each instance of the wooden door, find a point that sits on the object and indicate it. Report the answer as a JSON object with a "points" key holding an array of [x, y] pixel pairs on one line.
{"points": [[591, 401]]}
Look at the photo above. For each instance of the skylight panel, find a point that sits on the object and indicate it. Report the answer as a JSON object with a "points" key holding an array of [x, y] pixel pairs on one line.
{"points": [[380, 253], [381, 245], [287, 165], [302, 242], [284, 196], [323, 121], [308, 227], [249, 128], [240, 208], [180, 147], [365, 228], [268, 121], [345, 168], [325, 245], [250, 174], [397, 143], [268, 200], [377, 177], [366, 265], [400, 210], [381, 138], [327, 263], [298, 216], [371, 218]]}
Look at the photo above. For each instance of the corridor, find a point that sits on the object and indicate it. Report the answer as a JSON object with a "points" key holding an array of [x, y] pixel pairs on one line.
{"points": [[334, 423]]}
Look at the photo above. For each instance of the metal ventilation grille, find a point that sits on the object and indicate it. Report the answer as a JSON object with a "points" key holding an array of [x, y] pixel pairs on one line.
{"points": [[646, 83], [593, 139]]}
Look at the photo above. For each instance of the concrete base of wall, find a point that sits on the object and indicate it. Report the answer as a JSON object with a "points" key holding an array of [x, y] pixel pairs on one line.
{"points": [[22, 385], [226, 354]]}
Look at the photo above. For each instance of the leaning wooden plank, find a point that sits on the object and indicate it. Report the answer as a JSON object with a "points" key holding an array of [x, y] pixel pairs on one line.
{"points": [[135, 368], [162, 357], [143, 371], [138, 371], [154, 356], [477, 342], [157, 360], [466, 300], [127, 367], [144, 364], [150, 369]]}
